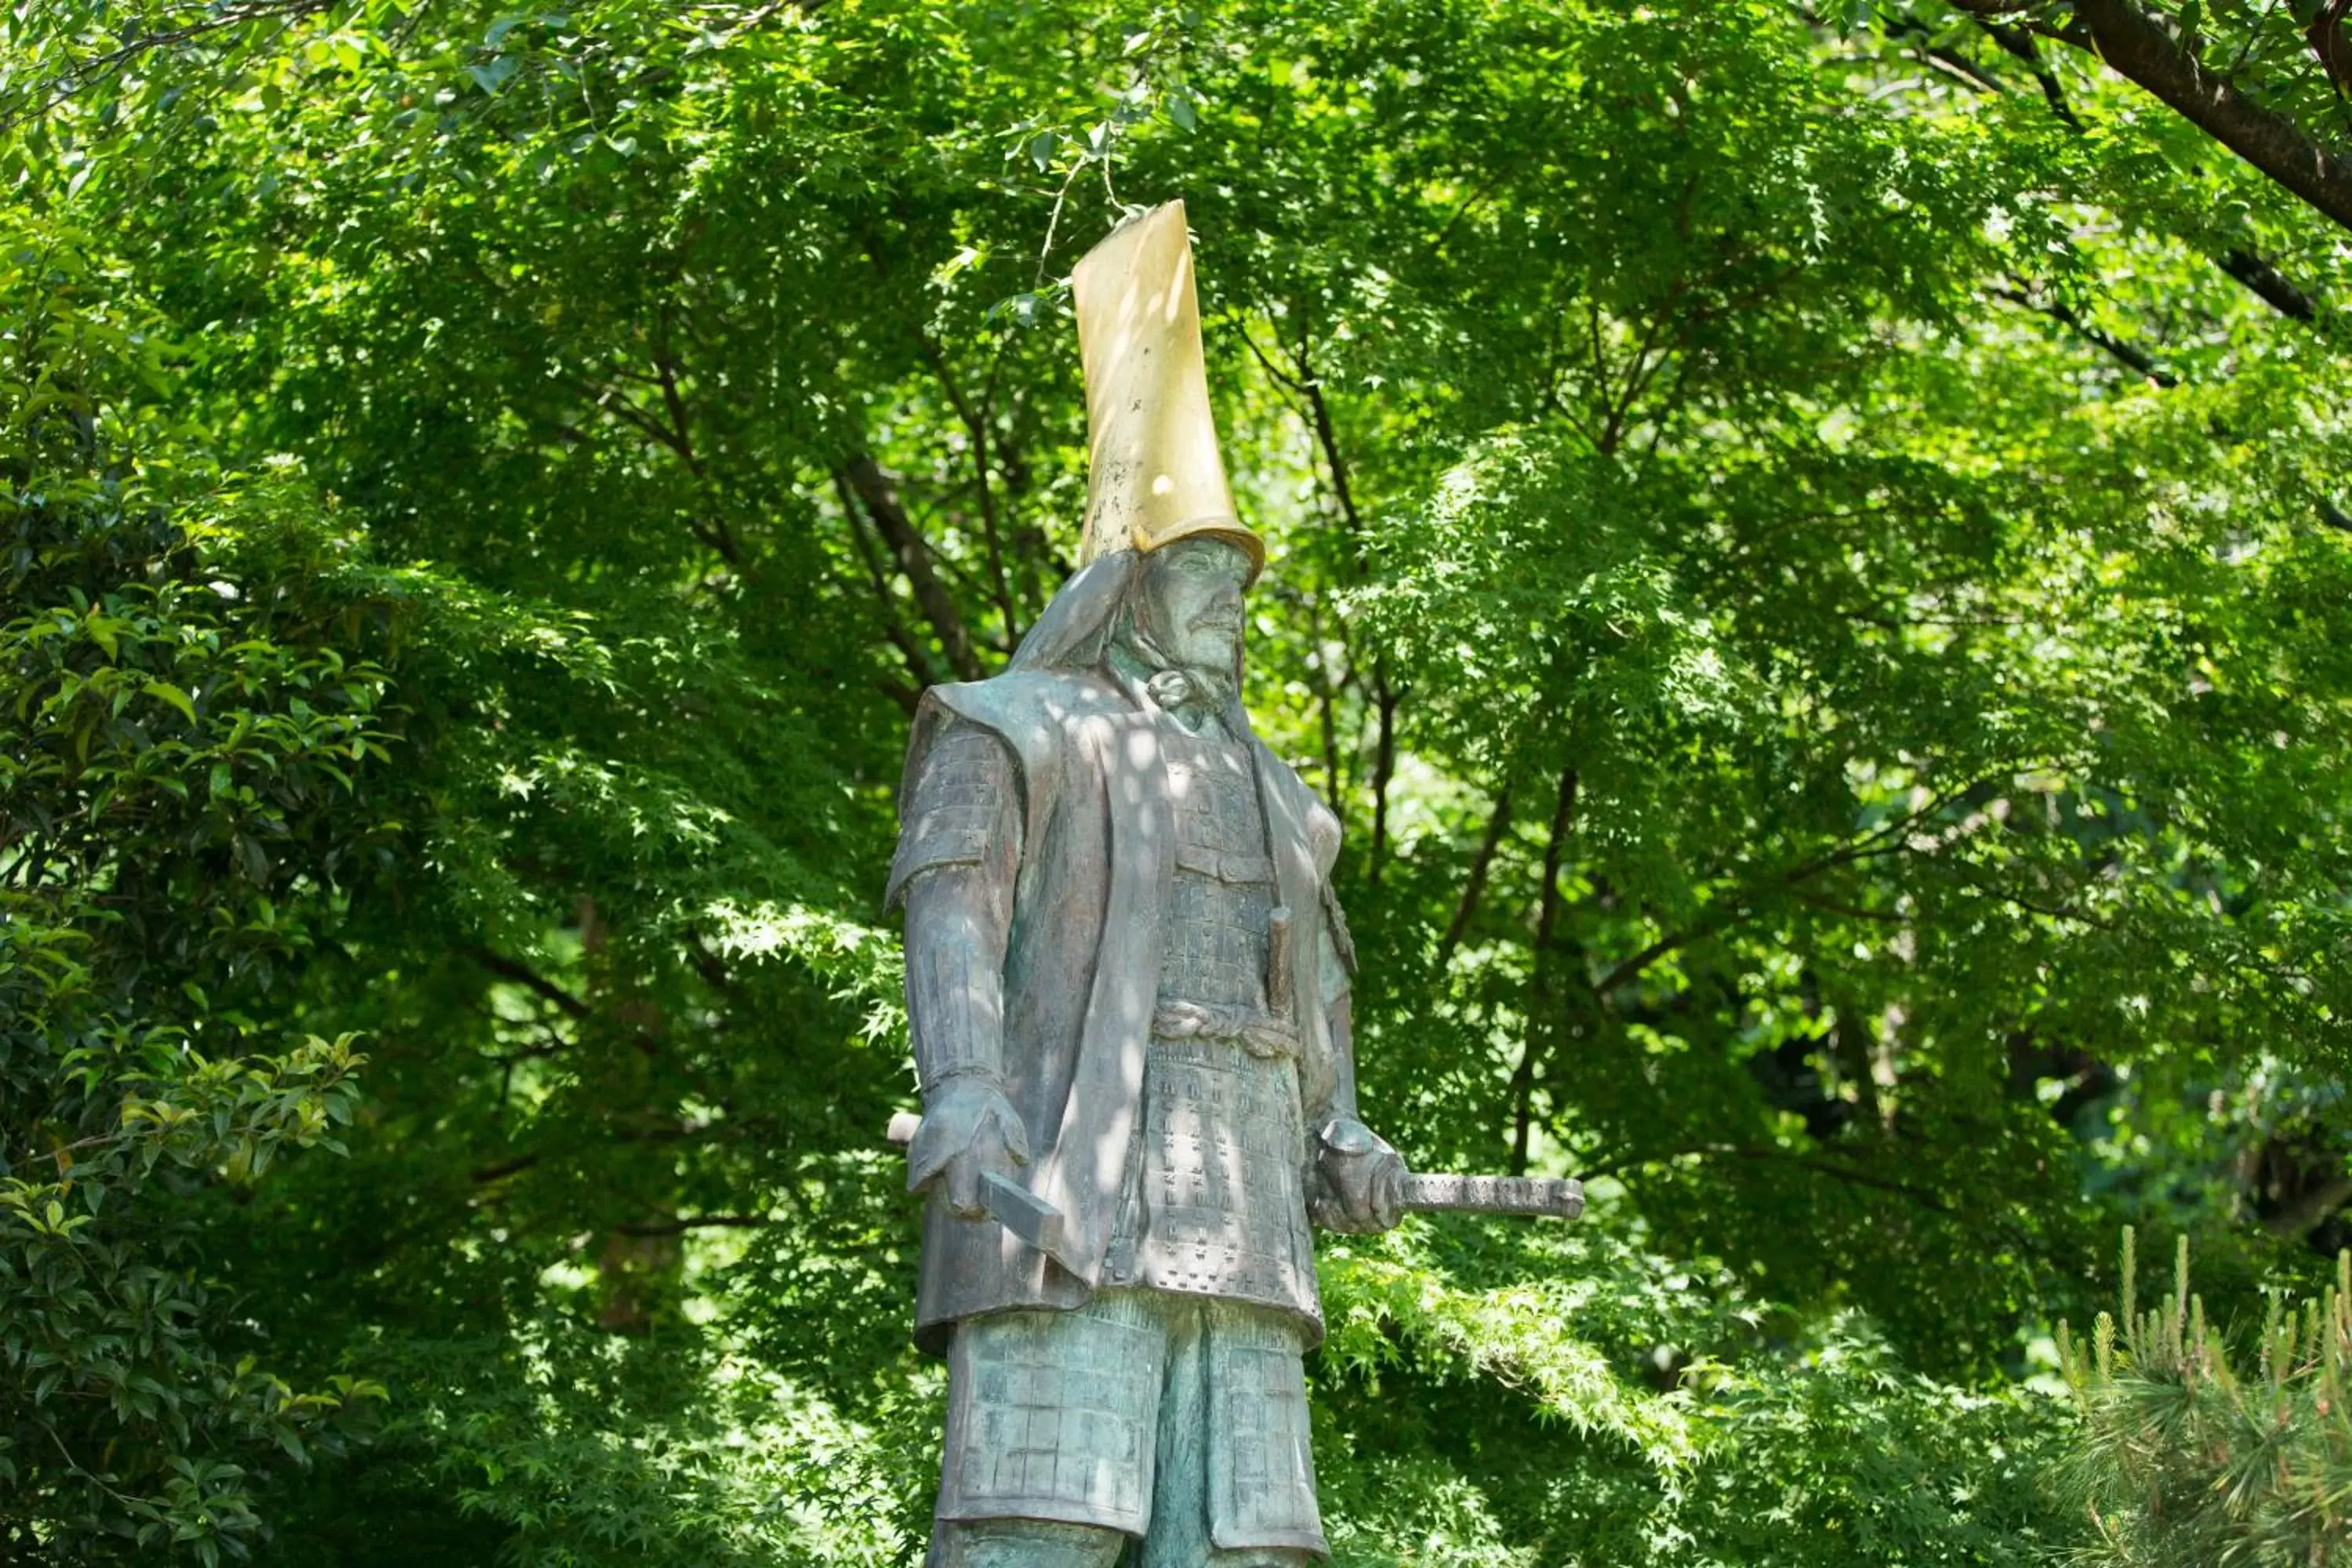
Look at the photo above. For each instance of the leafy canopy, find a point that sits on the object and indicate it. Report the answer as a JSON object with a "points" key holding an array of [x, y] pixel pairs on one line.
{"points": [[1810, 552]]}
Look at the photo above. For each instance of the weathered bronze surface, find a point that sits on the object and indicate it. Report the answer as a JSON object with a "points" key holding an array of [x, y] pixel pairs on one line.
{"points": [[1128, 983]]}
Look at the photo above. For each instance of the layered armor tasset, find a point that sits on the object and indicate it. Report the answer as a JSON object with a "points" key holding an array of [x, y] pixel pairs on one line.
{"points": [[1214, 1201], [1085, 1417]]}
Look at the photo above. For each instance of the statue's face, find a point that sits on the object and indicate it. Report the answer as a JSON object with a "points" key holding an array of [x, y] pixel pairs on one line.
{"points": [[1193, 601]]}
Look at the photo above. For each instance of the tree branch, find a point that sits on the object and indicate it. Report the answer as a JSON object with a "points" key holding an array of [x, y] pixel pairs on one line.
{"points": [[2137, 359], [1806, 1162], [2019, 44], [1950, 61], [2331, 41], [1384, 702], [975, 421], [75, 77], [1309, 386], [2143, 50], [523, 974], [696, 1222], [2239, 262], [2268, 284], [1887, 838], [894, 626], [890, 520], [1498, 821], [1539, 1017]]}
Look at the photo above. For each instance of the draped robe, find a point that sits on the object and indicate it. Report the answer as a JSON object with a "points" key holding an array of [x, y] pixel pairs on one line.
{"points": [[1079, 980]]}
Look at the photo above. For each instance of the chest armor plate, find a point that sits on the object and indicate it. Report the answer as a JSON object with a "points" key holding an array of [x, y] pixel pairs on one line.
{"points": [[1213, 930], [1215, 1200]]}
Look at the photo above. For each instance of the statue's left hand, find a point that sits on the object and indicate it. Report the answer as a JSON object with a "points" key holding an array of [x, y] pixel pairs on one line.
{"points": [[1358, 1184]]}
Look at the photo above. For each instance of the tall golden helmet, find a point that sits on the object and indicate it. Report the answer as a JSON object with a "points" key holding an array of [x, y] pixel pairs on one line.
{"points": [[1153, 475]]}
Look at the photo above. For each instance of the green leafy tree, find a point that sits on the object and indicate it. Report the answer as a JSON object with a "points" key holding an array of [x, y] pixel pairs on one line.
{"points": [[181, 802], [1811, 554]]}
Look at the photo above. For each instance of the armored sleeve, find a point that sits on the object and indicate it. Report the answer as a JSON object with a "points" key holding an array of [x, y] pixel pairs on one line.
{"points": [[962, 808], [959, 850]]}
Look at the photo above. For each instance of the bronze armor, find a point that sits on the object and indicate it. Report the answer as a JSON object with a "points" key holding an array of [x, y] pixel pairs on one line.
{"points": [[1215, 1201]]}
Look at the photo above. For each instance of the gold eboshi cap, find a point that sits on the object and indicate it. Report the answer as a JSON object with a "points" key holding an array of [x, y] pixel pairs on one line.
{"points": [[1154, 475]]}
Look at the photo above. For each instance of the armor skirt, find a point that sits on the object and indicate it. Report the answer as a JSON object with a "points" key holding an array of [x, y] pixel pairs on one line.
{"points": [[1179, 1420], [1215, 1202]]}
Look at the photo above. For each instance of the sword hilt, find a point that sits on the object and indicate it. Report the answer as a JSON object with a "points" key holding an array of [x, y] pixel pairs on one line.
{"points": [[1555, 1195], [1008, 1202]]}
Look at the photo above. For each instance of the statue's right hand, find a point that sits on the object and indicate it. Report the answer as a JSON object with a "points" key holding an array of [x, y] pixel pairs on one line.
{"points": [[968, 1130]]}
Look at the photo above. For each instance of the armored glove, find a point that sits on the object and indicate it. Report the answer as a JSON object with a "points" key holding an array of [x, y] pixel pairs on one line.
{"points": [[1358, 1180], [968, 1130]]}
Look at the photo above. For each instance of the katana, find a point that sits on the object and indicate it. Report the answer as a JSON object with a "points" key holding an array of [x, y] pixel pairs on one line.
{"points": [[1039, 1223]]}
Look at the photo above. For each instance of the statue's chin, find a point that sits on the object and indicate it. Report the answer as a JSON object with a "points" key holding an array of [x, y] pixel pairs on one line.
{"points": [[1209, 658]]}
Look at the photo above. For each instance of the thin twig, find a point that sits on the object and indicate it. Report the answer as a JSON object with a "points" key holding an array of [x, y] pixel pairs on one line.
{"points": [[76, 78], [1498, 821]]}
